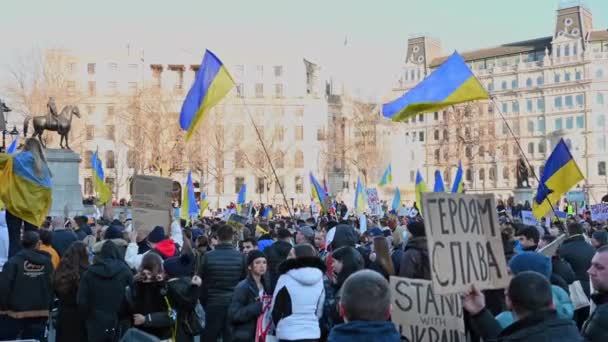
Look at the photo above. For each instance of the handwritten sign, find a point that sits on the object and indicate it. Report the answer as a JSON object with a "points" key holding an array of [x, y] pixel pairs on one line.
{"points": [[373, 201], [599, 211], [421, 315], [464, 242], [151, 204], [528, 218]]}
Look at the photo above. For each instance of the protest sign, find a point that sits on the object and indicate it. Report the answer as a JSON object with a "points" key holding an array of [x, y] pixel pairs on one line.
{"points": [[599, 211], [151, 204], [144, 221], [528, 218], [421, 315], [550, 249], [238, 219], [373, 201], [464, 242]]}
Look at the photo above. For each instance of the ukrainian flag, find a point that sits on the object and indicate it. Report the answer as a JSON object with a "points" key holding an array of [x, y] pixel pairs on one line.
{"points": [[241, 199], [360, 198], [439, 186], [25, 195], [104, 195], [420, 188], [204, 203], [397, 200], [387, 177], [211, 84], [317, 192], [458, 186], [13, 147], [268, 213], [189, 207], [559, 175], [451, 83]]}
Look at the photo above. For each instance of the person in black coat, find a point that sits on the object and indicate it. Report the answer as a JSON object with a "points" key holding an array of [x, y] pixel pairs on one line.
{"points": [[276, 254], [415, 260], [66, 280], [246, 305], [101, 295], [62, 237]]}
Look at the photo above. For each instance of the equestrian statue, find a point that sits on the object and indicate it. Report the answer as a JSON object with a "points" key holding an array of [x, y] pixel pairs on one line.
{"points": [[53, 121]]}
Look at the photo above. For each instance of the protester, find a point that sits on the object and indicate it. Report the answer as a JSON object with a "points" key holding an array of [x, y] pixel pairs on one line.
{"points": [[529, 298], [415, 260], [365, 305], [277, 253], [66, 280], [305, 234], [221, 270], [165, 247], [63, 236], [320, 244], [102, 292], [248, 244], [82, 228], [246, 305], [399, 234], [381, 261], [115, 234], [528, 237], [46, 240], [595, 329], [297, 302], [562, 274], [25, 180], [599, 239]]}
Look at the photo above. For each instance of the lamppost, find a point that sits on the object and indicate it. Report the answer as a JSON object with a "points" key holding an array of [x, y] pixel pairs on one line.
{"points": [[13, 132]]}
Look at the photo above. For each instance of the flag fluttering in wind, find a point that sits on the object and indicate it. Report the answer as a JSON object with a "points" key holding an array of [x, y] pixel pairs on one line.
{"points": [[241, 199], [420, 188], [360, 198], [439, 187], [317, 192], [204, 203], [387, 177], [559, 175], [189, 207], [13, 146], [397, 200], [268, 213], [211, 84], [458, 186], [451, 83], [104, 195]]}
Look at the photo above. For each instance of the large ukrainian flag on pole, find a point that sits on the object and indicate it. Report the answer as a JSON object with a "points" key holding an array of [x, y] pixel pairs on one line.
{"points": [[458, 186], [559, 175], [420, 188], [211, 84], [317, 192], [387, 177], [25, 194], [451, 83], [360, 198], [189, 207], [104, 195]]}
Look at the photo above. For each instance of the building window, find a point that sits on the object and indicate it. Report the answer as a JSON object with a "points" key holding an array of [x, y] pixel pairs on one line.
{"points": [[569, 122], [539, 81], [531, 148], [110, 159], [467, 152], [110, 132], [492, 174], [567, 77], [239, 90], [91, 68], [599, 73], [515, 106], [541, 148], [278, 90], [601, 143], [259, 90], [110, 182], [482, 174], [92, 88], [601, 120], [299, 184], [280, 160], [505, 107], [420, 118], [436, 116], [580, 100], [482, 151], [529, 105], [421, 136], [529, 82], [557, 102], [505, 173], [568, 101], [239, 159], [469, 175], [580, 122], [446, 137], [436, 135], [514, 84], [110, 113], [437, 155], [578, 75], [88, 186], [556, 78], [278, 70], [412, 176], [503, 85], [259, 185], [259, 71], [490, 86], [601, 168], [505, 129], [540, 104], [280, 133], [599, 99], [558, 124], [299, 132], [238, 184], [320, 134], [299, 160], [530, 126]]}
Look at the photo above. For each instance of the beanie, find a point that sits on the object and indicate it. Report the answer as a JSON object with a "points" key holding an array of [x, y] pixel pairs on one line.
{"points": [[157, 234], [113, 232], [531, 261], [179, 266], [254, 255]]}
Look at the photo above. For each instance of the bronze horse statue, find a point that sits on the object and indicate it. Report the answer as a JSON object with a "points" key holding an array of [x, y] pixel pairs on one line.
{"points": [[61, 125]]}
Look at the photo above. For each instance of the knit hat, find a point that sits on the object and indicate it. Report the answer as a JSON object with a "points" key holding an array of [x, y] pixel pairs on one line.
{"points": [[179, 266], [113, 232], [157, 234], [531, 261], [254, 255], [307, 231]]}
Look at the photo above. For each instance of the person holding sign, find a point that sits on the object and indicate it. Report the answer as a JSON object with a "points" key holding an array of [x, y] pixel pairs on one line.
{"points": [[415, 260]]}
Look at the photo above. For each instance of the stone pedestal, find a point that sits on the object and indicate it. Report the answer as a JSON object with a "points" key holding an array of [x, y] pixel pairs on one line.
{"points": [[521, 195], [64, 165]]}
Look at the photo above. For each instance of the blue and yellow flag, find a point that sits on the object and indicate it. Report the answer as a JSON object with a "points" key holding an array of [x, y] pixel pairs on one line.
{"points": [[189, 207], [387, 177], [26, 194], [204, 204], [318, 192], [268, 213], [104, 194], [439, 186], [420, 188], [397, 200], [559, 175], [211, 84], [458, 186], [13, 147], [241, 199], [450, 84], [360, 198]]}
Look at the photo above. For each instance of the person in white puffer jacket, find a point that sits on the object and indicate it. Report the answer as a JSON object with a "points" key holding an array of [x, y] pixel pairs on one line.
{"points": [[297, 302]]}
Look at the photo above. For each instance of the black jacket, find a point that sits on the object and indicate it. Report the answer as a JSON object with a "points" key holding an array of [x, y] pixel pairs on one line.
{"points": [[595, 328], [70, 323], [221, 270], [245, 309], [360, 331], [102, 292], [396, 256], [543, 326], [148, 299], [578, 253], [183, 297], [62, 239], [25, 284], [415, 260], [276, 254]]}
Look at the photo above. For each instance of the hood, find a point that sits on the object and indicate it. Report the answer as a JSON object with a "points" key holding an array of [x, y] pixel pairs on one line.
{"points": [[344, 236], [35, 256], [107, 268], [305, 270], [166, 248], [118, 242], [531, 261], [365, 331], [418, 242]]}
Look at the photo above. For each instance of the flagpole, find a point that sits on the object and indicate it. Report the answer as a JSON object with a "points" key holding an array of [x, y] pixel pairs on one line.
{"points": [[274, 172]]}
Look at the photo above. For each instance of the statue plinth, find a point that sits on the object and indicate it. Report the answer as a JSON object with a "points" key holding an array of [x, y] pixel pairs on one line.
{"points": [[64, 165], [521, 195]]}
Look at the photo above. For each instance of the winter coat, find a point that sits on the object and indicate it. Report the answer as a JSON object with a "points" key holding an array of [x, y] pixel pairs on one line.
{"points": [[578, 254], [331, 314], [102, 292], [396, 256], [563, 269], [561, 301], [183, 297], [375, 266], [245, 309], [415, 260], [25, 285], [595, 328], [121, 244], [363, 331], [148, 299], [62, 239], [52, 253], [537, 327], [70, 324], [221, 270], [275, 255], [297, 302]]}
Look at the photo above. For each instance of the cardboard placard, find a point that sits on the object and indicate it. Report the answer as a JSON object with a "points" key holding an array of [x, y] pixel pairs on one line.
{"points": [[464, 242], [421, 315], [599, 211], [373, 201], [528, 218], [152, 192], [144, 221], [550, 249]]}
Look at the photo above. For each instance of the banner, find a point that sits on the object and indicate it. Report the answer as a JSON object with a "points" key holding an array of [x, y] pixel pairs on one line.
{"points": [[421, 315], [599, 211], [151, 204], [528, 218], [464, 242], [373, 201]]}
